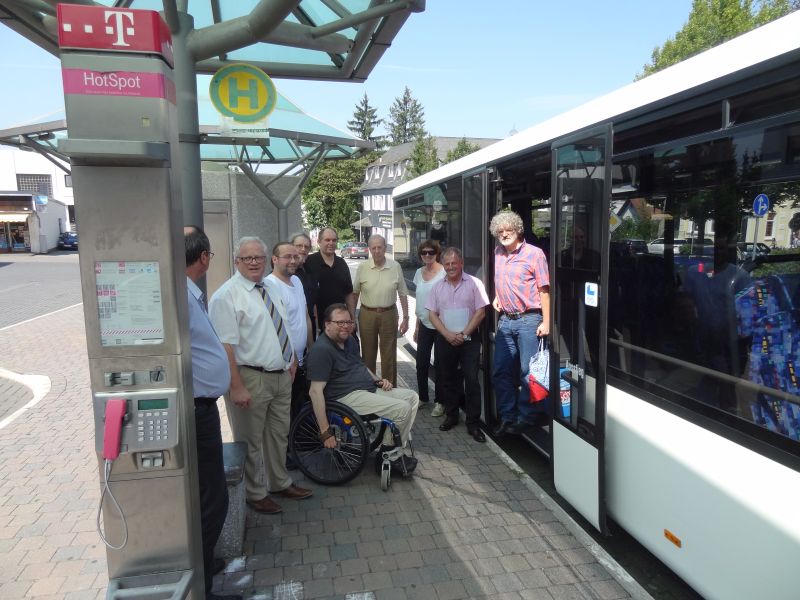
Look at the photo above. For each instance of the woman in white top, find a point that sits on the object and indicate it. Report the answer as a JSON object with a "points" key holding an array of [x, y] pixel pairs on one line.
{"points": [[425, 278]]}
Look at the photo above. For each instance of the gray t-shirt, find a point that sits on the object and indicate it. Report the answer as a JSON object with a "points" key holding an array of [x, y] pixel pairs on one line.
{"points": [[342, 370]]}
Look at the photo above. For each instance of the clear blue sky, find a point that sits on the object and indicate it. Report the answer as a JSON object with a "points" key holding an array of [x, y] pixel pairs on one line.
{"points": [[479, 69]]}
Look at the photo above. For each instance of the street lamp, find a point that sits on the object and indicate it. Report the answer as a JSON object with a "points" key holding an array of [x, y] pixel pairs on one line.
{"points": [[358, 212]]}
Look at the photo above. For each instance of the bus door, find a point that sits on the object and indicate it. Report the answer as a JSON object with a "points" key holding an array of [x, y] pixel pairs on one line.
{"points": [[581, 187], [474, 247]]}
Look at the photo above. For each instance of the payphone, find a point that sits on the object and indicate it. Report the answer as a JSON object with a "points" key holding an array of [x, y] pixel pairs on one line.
{"points": [[121, 114]]}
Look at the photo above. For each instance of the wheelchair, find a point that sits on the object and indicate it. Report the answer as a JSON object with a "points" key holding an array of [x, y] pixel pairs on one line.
{"points": [[356, 438]]}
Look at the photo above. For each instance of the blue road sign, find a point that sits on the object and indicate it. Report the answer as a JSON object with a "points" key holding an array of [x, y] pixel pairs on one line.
{"points": [[761, 205]]}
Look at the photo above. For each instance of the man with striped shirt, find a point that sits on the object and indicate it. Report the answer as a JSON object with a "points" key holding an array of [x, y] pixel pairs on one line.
{"points": [[522, 297]]}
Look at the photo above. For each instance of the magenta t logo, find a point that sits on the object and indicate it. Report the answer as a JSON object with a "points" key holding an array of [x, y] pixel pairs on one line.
{"points": [[118, 26]]}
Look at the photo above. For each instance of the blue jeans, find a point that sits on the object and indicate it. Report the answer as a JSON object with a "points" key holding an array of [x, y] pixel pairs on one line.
{"points": [[515, 343]]}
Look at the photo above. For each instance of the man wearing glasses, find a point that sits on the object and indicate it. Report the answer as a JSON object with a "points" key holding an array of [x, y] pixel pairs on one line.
{"points": [[284, 284], [302, 244], [251, 323], [210, 379], [337, 372]]}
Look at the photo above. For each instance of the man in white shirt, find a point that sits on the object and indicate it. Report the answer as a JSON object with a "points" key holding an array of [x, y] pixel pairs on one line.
{"points": [[252, 327], [288, 287]]}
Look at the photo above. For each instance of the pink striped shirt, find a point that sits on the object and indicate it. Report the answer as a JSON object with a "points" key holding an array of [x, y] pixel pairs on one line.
{"points": [[518, 275]]}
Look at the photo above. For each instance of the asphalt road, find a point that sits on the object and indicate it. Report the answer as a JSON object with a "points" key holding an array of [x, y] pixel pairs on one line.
{"points": [[37, 284]]}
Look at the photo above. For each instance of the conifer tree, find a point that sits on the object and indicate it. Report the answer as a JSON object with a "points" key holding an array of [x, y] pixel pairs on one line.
{"points": [[406, 121], [365, 121]]}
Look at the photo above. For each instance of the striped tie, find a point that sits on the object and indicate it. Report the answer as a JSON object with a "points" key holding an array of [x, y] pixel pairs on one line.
{"points": [[283, 337]]}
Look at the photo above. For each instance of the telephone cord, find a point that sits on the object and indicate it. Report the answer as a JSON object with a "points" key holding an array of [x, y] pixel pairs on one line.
{"points": [[106, 488]]}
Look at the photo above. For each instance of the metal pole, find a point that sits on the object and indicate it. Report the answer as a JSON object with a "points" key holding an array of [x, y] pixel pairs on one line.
{"points": [[188, 124]]}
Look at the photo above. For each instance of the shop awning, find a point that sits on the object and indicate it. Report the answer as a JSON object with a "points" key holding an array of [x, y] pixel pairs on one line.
{"points": [[14, 217]]}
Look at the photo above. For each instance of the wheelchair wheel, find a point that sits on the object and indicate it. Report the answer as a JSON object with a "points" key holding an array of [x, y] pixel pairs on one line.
{"points": [[386, 477], [329, 466]]}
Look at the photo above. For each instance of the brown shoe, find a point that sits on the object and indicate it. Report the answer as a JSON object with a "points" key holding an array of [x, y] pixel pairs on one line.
{"points": [[266, 506], [294, 492]]}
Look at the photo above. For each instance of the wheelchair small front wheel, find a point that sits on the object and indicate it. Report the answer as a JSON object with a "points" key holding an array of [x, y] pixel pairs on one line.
{"points": [[386, 476], [329, 466]]}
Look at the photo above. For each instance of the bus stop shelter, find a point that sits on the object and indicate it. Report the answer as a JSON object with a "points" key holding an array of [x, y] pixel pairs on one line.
{"points": [[330, 40]]}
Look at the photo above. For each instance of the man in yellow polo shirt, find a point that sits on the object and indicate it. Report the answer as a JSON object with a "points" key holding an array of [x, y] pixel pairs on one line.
{"points": [[378, 283]]}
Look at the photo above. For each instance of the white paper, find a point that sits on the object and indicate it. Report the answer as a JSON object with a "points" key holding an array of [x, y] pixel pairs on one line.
{"points": [[129, 303]]}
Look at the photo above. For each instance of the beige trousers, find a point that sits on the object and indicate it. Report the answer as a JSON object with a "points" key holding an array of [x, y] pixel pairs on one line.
{"points": [[265, 428], [399, 405], [379, 329]]}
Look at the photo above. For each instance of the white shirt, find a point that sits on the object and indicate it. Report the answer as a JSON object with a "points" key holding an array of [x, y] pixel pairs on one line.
{"points": [[421, 294], [241, 319], [294, 301]]}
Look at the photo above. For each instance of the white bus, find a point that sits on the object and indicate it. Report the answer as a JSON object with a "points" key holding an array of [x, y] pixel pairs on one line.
{"points": [[681, 419]]}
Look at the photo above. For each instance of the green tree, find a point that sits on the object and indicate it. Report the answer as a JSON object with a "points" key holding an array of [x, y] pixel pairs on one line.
{"points": [[712, 22], [463, 147], [365, 120], [423, 156], [332, 193], [406, 120]]}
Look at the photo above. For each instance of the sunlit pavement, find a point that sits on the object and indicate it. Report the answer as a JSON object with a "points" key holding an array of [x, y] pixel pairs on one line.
{"points": [[468, 524]]}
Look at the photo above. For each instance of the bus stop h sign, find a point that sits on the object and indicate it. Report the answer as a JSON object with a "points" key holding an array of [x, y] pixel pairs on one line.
{"points": [[243, 93]]}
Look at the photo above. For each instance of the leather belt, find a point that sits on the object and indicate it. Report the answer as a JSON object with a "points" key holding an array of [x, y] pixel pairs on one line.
{"points": [[516, 315], [379, 309], [263, 370]]}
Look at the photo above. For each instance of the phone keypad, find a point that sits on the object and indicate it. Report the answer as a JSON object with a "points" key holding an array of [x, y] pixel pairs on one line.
{"points": [[152, 426]]}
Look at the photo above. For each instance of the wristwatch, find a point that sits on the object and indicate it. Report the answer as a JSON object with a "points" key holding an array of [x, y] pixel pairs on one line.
{"points": [[324, 435]]}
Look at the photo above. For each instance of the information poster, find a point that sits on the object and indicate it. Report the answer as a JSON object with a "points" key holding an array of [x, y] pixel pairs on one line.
{"points": [[129, 303]]}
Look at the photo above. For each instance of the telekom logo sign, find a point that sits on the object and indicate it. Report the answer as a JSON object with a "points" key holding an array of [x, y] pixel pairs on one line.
{"points": [[116, 30], [118, 19]]}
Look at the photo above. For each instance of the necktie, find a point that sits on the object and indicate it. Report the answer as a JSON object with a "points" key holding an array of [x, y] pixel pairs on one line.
{"points": [[283, 337]]}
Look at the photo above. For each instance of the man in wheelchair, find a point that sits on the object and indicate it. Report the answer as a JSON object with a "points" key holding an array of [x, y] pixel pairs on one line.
{"points": [[337, 372]]}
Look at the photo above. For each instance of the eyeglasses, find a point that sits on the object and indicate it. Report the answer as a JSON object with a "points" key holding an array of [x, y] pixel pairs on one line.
{"points": [[343, 323], [252, 260], [290, 257], [428, 253]]}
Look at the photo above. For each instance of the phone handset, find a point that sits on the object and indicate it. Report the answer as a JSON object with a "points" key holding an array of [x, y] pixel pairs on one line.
{"points": [[115, 410], [112, 431]]}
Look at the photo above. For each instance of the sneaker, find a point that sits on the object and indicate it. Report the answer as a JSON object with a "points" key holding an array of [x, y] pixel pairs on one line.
{"points": [[438, 410]]}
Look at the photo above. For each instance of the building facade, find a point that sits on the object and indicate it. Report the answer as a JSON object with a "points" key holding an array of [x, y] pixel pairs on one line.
{"points": [[385, 174]]}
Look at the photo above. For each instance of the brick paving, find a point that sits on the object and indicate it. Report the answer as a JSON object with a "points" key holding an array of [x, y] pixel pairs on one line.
{"points": [[467, 525]]}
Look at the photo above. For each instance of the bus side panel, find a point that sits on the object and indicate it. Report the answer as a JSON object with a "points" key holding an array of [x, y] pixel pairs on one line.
{"points": [[734, 512]]}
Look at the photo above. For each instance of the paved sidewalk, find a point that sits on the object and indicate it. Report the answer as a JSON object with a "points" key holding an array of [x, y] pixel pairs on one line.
{"points": [[467, 525]]}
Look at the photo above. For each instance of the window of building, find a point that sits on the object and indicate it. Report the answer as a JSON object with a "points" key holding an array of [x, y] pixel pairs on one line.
{"points": [[770, 225], [35, 184], [68, 180]]}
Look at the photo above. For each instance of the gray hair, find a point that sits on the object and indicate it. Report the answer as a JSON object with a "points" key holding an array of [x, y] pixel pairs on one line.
{"points": [[302, 234], [248, 239], [506, 219], [376, 236], [454, 251]]}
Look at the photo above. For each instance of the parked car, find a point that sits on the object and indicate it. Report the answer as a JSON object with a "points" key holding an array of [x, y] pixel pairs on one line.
{"points": [[633, 246], [657, 245], [746, 248], [68, 240], [354, 250]]}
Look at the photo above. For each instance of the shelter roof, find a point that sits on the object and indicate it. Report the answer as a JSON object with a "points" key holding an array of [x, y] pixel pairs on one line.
{"points": [[300, 39], [292, 133]]}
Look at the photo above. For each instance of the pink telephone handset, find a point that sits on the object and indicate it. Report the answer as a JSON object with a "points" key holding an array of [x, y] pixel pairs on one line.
{"points": [[112, 433]]}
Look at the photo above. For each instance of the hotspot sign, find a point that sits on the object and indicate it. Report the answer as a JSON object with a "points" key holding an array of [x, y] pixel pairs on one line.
{"points": [[86, 82]]}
